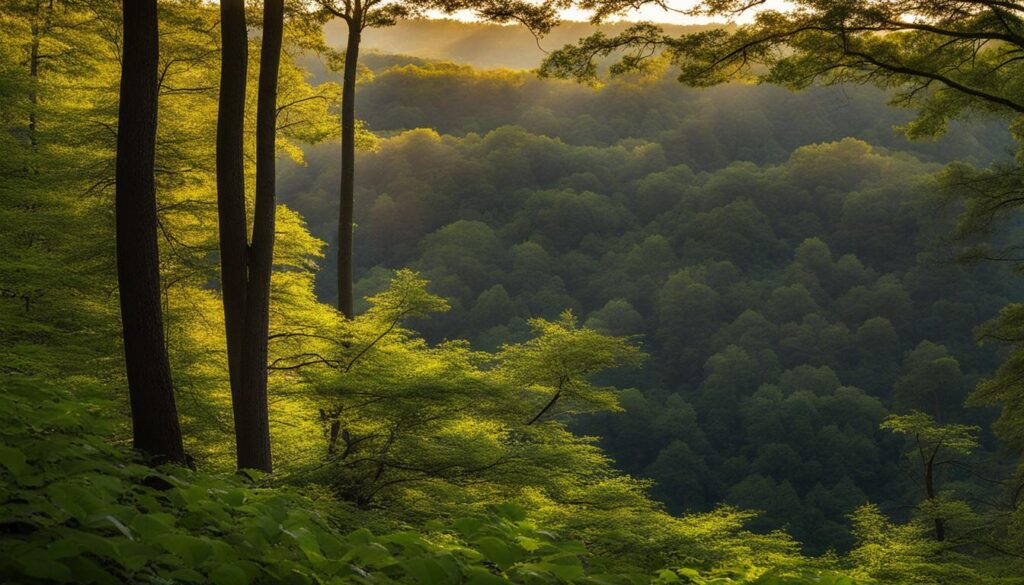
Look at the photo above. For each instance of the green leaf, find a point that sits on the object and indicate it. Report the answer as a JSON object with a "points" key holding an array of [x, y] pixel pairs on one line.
{"points": [[361, 536], [429, 571], [407, 539], [14, 460], [63, 548], [497, 551], [235, 497], [187, 575], [229, 575], [305, 539], [485, 577], [40, 564], [510, 512], [369, 555], [468, 527], [191, 549], [86, 571], [92, 543], [567, 567], [120, 527], [529, 544], [152, 525]]}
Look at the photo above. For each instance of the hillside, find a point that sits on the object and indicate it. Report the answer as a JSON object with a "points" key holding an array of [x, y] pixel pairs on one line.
{"points": [[729, 230]]}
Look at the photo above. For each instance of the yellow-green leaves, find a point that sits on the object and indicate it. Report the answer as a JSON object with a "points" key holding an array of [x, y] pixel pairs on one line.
{"points": [[559, 362], [406, 297], [959, 439]]}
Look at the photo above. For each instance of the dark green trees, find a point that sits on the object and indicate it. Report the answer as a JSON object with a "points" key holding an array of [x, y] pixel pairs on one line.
{"points": [[944, 57], [358, 15]]}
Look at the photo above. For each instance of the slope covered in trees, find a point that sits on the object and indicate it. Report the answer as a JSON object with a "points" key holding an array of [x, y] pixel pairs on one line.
{"points": [[790, 300]]}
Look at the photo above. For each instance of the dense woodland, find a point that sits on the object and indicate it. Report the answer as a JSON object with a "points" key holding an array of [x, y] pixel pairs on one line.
{"points": [[787, 305], [280, 303]]}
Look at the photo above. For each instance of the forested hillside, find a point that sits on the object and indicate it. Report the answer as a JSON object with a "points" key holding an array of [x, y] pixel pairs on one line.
{"points": [[628, 333], [792, 288]]}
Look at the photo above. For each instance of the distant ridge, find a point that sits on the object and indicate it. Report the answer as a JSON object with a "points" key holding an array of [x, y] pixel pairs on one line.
{"points": [[477, 44]]}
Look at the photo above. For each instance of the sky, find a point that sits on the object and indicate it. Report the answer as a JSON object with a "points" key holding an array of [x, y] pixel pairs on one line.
{"points": [[656, 14]]}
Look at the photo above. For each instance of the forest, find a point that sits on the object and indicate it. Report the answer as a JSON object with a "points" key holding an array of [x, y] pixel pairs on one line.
{"points": [[476, 292]]}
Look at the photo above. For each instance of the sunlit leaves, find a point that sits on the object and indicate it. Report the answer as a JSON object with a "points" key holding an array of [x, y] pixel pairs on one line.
{"points": [[560, 360], [955, 438]]}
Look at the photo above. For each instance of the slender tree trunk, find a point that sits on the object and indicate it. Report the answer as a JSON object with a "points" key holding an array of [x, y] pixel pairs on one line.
{"points": [[231, 192], [929, 486], [348, 158], [332, 442], [252, 416], [154, 415], [33, 72]]}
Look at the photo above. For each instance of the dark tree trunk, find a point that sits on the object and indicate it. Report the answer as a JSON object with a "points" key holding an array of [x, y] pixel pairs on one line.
{"points": [[252, 417], [348, 158], [41, 16], [929, 486], [33, 72], [154, 415], [231, 191], [332, 442]]}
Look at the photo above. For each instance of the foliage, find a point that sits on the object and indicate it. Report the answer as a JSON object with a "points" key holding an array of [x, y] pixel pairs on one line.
{"points": [[944, 59], [959, 439], [79, 509], [917, 50], [787, 308], [559, 361], [894, 553]]}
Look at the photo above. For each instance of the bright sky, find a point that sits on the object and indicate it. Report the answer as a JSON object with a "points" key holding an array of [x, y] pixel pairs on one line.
{"points": [[655, 14]]}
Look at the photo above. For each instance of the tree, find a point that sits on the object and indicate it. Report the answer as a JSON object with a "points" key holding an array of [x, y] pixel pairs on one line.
{"points": [[254, 261], [617, 317], [295, 112], [931, 381], [155, 427], [359, 15], [234, 238], [901, 553], [945, 58], [560, 361], [930, 442]]}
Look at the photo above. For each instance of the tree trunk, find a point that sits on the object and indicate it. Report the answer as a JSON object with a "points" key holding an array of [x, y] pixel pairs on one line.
{"points": [[929, 486], [252, 418], [33, 72], [348, 157], [155, 425], [231, 191]]}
